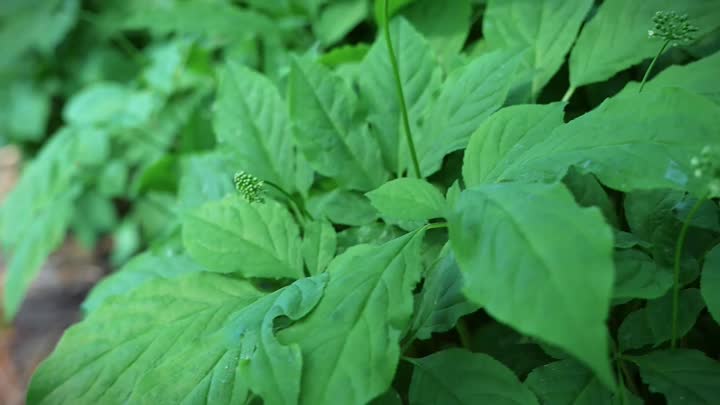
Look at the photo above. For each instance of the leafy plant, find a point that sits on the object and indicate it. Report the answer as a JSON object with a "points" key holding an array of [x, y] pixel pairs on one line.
{"points": [[397, 221]]}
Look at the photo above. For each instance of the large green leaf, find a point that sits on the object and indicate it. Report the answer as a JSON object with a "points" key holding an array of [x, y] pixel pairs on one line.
{"points": [[255, 240], [204, 178], [141, 269], [631, 142], [408, 199], [199, 338], [322, 108], [547, 27], [568, 382], [617, 36], [652, 325], [459, 377], [468, 97], [555, 286], [699, 77], [420, 78], [710, 283], [251, 119], [354, 332], [503, 135], [683, 376]]}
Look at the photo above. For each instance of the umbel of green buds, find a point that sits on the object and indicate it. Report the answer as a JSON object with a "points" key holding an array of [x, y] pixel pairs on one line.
{"points": [[706, 167], [249, 186], [672, 26]]}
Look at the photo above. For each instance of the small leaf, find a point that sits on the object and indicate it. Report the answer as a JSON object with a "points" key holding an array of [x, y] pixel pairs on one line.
{"points": [[520, 273], [342, 207], [652, 325], [441, 302], [710, 283], [318, 245], [255, 240], [638, 276], [408, 199], [684, 376], [456, 376], [446, 25]]}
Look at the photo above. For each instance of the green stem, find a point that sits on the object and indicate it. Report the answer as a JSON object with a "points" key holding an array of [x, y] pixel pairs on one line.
{"points": [[676, 267], [568, 94], [436, 225], [463, 334], [400, 93], [652, 64], [297, 204], [623, 374]]}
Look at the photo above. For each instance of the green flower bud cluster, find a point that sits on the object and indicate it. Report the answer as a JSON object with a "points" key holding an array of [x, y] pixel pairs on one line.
{"points": [[707, 167], [672, 26], [249, 186]]}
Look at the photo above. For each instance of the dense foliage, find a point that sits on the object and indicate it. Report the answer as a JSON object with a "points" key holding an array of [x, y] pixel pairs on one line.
{"points": [[501, 201]]}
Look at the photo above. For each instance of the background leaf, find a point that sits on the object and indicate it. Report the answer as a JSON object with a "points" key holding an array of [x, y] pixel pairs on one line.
{"points": [[408, 199], [710, 283], [456, 376], [682, 375]]}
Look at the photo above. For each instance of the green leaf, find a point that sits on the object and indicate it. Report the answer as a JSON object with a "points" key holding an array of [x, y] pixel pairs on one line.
{"points": [[318, 245], [710, 283], [456, 376], [420, 78], [36, 214], [520, 273], [354, 332], [204, 178], [468, 97], [640, 141], [503, 135], [393, 7], [568, 382], [512, 349], [345, 54], [446, 25], [142, 269], [201, 337], [638, 276], [699, 77], [255, 240], [684, 376], [338, 18], [251, 120], [652, 325], [547, 27], [616, 37], [322, 108], [588, 192], [374, 234], [342, 207], [27, 110], [441, 302], [112, 105], [408, 199]]}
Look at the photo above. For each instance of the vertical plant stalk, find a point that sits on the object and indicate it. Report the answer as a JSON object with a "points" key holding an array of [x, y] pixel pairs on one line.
{"points": [[568, 94], [296, 203], [676, 268], [652, 64], [400, 92]]}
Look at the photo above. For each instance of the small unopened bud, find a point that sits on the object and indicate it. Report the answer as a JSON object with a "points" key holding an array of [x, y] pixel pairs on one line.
{"points": [[249, 186], [672, 26]]}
